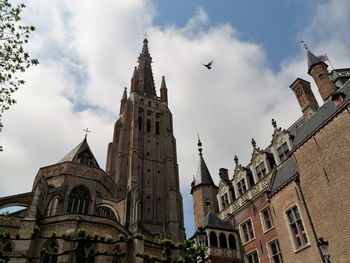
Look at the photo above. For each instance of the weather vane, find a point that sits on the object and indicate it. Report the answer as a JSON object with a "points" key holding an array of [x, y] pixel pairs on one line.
{"points": [[86, 131], [304, 44]]}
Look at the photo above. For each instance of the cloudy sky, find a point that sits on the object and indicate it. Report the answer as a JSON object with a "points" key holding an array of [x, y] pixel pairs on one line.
{"points": [[88, 49]]}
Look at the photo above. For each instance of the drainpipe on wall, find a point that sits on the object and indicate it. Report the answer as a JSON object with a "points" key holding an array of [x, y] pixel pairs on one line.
{"points": [[297, 182]]}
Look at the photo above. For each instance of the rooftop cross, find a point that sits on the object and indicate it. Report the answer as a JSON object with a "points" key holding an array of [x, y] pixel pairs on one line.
{"points": [[86, 131]]}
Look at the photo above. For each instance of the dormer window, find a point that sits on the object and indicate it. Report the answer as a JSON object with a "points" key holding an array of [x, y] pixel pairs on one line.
{"points": [[224, 200], [241, 186], [84, 158], [283, 151], [260, 170]]}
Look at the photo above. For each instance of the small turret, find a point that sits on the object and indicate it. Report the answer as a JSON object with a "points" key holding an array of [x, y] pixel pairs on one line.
{"points": [[163, 91], [122, 102], [318, 70]]}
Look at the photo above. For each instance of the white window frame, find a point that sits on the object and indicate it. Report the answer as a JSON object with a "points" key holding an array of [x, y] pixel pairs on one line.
{"points": [[262, 219], [250, 253], [270, 252], [285, 155], [242, 233], [292, 236]]}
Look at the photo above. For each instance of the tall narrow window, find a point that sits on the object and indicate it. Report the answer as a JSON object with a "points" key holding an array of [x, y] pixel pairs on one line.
{"points": [[247, 231], [297, 229], [260, 170], [148, 125], [275, 252], [223, 241], [283, 151], [157, 127], [79, 200], [224, 200], [213, 239], [250, 180], [232, 242], [140, 123], [266, 219], [241, 186]]}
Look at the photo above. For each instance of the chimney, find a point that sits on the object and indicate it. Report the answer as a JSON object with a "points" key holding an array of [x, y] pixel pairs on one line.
{"points": [[223, 173], [305, 97]]}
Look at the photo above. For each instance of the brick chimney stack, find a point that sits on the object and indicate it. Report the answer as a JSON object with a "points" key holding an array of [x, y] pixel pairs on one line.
{"points": [[305, 97]]}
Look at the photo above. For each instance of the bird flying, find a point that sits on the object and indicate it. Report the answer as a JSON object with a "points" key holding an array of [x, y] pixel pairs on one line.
{"points": [[208, 66]]}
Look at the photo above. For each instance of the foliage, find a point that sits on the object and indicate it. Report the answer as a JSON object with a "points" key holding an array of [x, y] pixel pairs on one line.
{"points": [[13, 58], [83, 248]]}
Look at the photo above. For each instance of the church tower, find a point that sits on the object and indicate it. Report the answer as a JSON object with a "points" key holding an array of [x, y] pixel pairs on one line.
{"points": [[142, 158]]}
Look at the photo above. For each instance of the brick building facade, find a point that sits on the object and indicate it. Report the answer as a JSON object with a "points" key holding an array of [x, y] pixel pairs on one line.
{"points": [[293, 193]]}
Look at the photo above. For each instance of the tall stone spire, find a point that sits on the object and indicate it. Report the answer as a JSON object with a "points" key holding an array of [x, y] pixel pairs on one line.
{"points": [[146, 85], [163, 91], [122, 102]]}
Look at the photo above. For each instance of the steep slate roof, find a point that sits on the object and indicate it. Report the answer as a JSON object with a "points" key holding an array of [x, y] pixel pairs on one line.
{"points": [[312, 60], [73, 155], [320, 116], [282, 175], [203, 176], [212, 221]]}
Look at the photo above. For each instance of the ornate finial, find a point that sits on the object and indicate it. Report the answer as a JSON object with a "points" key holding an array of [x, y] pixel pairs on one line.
{"points": [[304, 44], [274, 123], [236, 159], [253, 143], [199, 146], [86, 131]]}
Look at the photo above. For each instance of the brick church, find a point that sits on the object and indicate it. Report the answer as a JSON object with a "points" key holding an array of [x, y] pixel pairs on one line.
{"points": [[289, 201], [137, 193]]}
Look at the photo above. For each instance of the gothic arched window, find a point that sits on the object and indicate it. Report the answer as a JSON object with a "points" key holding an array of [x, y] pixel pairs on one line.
{"points": [[79, 200], [232, 242], [52, 207], [213, 239], [223, 241], [106, 212], [51, 247]]}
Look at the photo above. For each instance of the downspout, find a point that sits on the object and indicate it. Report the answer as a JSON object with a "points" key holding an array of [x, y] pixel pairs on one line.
{"points": [[297, 182]]}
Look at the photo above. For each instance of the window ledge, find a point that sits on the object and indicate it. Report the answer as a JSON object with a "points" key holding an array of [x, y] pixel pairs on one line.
{"points": [[268, 230], [249, 241], [302, 248]]}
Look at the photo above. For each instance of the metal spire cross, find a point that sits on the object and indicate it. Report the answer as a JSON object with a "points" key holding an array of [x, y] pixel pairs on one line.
{"points": [[86, 131], [145, 35], [304, 44]]}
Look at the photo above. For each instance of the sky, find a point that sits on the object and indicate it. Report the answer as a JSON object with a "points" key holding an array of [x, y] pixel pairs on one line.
{"points": [[87, 52]]}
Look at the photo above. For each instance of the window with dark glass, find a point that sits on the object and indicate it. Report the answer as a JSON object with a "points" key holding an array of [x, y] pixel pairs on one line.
{"points": [[260, 170], [297, 229], [275, 252], [105, 211], [157, 127], [252, 257], [283, 151], [247, 231], [79, 200], [232, 242], [140, 123], [148, 124], [250, 180], [266, 219], [241, 186], [224, 200], [213, 239], [51, 247], [223, 241]]}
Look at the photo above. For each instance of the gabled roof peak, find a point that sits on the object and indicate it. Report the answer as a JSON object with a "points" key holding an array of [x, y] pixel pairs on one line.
{"points": [[81, 154]]}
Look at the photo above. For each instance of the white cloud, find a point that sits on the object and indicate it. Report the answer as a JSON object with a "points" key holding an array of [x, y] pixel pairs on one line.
{"points": [[87, 53]]}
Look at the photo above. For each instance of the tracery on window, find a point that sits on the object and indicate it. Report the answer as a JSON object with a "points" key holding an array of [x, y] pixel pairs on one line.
{"points": [[79, 200]]}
